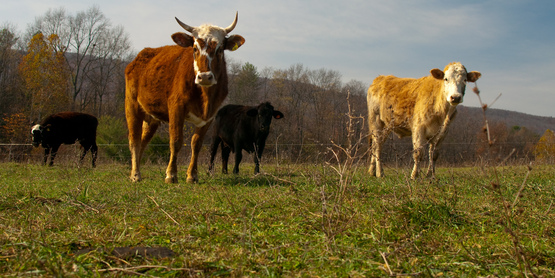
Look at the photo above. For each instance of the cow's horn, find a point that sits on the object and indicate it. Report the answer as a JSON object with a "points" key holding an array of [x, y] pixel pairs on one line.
{"points": [[232, 26], [185, 26]]}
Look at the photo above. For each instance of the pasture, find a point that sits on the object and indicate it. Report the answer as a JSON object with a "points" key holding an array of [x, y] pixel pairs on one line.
{"points": [[291, 220]]}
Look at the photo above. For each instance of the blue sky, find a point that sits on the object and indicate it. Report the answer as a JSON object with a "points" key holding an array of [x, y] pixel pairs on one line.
{"points": [[511, 42]]}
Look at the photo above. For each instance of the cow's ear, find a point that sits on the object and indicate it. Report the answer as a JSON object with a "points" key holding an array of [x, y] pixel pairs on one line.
{"points": [[437, 74], [473, 76], [252, 112], [234, 42], [278, 115], [183, 39]]}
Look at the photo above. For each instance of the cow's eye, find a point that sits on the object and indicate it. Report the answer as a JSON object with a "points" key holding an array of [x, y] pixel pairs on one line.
{"points": [[445, 79]]}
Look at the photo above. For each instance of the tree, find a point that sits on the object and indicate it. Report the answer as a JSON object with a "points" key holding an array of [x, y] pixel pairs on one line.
{"points": [[291, 91], [10, 82], [109, 65], [46, 76], [325, 104], [86, 39], [545, 148], [245, 84]]}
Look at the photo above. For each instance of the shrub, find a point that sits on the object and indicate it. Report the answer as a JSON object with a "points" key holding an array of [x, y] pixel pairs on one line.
{"points": [[111, 136]]}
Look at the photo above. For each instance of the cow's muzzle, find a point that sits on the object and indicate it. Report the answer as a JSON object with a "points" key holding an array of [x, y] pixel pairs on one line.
{"points": [[205, 79], [455, 100]]}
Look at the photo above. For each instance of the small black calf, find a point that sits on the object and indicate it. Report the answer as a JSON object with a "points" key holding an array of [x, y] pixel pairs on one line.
{"points": [[238, 128]]}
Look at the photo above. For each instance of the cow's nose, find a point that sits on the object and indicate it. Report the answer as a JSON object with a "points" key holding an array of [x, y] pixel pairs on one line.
{"points": [[456, 99], [205, 79]]}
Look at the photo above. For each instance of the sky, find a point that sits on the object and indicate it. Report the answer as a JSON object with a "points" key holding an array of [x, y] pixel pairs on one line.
{"points": [[511, 42]]}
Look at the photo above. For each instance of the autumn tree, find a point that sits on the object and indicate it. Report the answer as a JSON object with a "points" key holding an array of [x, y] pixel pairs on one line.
{"points": [[545, 148], [46, 76], [15, 127], [86, 40]]}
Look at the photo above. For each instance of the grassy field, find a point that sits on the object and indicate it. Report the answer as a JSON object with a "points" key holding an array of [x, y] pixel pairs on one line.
{"points": [[292, 220]]}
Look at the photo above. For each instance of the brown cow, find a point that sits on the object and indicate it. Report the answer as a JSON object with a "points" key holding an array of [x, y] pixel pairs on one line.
{"points": [[422, 108], [183, 82]]}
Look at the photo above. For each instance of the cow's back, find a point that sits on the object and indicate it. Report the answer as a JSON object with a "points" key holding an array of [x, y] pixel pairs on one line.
{"points": [[396, 100], [160, 74], [72, 126], [235, 127]]}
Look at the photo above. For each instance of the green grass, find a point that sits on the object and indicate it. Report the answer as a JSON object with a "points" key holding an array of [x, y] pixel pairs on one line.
{"points": [[293, 220]]}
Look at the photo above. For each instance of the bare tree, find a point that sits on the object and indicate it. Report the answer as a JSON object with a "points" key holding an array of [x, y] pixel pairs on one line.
{"points": [[10, 82], [87, 38], [291, 90], [326, 86], [54, 21], [109, 55]]}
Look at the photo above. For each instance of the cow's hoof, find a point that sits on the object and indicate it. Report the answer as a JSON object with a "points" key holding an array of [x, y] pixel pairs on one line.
{"points": [[135, 178], [171, 179], [192, 180]]}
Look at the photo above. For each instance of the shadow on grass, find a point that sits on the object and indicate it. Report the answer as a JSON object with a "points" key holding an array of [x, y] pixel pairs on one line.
{"points": [[259, 180]]}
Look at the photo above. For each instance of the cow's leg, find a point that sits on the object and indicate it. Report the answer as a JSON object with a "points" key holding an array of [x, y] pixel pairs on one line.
{"points": [[434, 145], [258, 156], [135, 117], [93, 148], [372, 168], [433, 155], [84, 149], [196, 145], [53, 154], [418, 143], [213, 151], [94, 153], [150, 125], [380, 139], [176, 142], [225, 157], [238, 157], [377, 140], [46, 154], [378, 134]]}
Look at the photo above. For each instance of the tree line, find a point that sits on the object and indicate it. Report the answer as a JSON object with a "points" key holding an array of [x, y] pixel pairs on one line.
{"points": [[65, 62], [62, 62]]}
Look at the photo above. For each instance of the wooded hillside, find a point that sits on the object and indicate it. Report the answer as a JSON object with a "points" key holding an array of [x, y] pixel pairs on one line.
{"points": [[56, 66]]}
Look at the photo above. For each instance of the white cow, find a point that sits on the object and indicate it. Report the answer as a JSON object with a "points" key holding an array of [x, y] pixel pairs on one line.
{"points": [[422, 108]]}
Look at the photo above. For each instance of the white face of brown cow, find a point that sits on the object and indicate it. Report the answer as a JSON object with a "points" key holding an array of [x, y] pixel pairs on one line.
{"points": [[208, 43], [454, 79]]}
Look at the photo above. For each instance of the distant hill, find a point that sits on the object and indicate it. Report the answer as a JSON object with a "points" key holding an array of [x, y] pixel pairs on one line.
{"points": [[537, 124]]}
